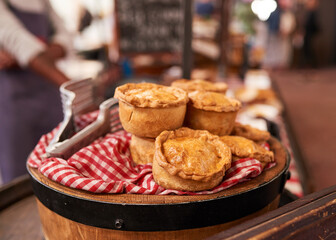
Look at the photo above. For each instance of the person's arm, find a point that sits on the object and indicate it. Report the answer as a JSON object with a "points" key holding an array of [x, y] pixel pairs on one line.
{"points": [[16, 40], [27, 50], [55, 51], [43, 65], [6, 60]]}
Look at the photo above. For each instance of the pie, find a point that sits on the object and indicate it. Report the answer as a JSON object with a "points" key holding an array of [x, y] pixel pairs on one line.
{"points": [[250, 132], [211, 111], [146, 109], [249, 95], [142, 149], [258, 96], [244, 148], [200, 85], [190, 160]]}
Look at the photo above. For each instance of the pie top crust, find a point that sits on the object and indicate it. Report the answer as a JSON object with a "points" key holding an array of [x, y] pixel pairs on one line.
{"points": [[199, 84], [245, 148], [151, 95], [250, 132], [211, 101], [192, 154], [254, 95]]}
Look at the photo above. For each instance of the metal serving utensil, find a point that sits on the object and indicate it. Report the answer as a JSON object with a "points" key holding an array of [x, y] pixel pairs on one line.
{"points": [[79, 97]]}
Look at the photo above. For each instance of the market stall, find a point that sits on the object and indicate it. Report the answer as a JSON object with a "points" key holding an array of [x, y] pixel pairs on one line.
{"points": [[182, 134]]}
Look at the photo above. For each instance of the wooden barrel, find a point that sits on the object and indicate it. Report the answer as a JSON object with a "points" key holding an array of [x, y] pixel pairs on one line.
{"points": [[68, 213]]}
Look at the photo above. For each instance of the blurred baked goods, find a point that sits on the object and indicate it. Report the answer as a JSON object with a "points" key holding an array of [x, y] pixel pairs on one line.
{"points": [[257, 78], [244, 148], [146, 109], [190, 160], [258, 96], [200, 85], [142, 149], [211, 111], [250, 132]]}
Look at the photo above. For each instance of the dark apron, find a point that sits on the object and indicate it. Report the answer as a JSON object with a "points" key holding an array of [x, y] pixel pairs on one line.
{"points": [[30, 106]]}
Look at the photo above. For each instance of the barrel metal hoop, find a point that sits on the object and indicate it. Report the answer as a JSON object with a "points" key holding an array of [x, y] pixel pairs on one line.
{"points": [[158, 217]]}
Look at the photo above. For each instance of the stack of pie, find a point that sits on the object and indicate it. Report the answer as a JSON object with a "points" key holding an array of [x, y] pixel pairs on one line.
{"points": [[147, 109], [188, 144]]}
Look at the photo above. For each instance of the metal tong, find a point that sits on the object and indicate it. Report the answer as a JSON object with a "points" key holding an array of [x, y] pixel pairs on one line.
{"points": [[79, 97]]}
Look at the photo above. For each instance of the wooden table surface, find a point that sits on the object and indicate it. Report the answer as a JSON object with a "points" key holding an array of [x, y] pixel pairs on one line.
{"points": [[21, 221], [310, 103]]}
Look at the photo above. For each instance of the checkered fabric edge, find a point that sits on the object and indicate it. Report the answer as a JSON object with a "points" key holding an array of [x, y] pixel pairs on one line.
{"points": [[106, 166]]}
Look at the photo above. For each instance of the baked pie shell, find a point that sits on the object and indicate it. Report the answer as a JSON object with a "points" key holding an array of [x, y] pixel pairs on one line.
{"points": [[244, 148], [250, 132], [218, 123], [211, 111], [211, 101], [142, 149], [150, 122], [168, 181], [147, 114], [200, 85], [170, 176], [124, 93]]}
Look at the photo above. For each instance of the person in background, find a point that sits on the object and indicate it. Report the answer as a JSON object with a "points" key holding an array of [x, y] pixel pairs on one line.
{"points": [[32, 39], [311, 29], [281, 26], [204, 8]]}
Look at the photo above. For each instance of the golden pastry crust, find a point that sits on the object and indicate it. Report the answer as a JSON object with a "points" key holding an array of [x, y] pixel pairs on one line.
{"points": [[218, 123], [142, 149], [147, 109], [151, 95], [190, 160], [211, 111], [150, 122], [199, 84], [168, 181], [250, 132], [245, 148], [210, 101]]}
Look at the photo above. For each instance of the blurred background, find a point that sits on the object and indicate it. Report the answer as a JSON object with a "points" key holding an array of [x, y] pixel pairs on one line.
{"points": [[240, 34], [290, 44], [266, 34]]}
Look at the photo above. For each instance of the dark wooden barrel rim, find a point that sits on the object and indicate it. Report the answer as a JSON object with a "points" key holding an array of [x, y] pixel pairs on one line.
{"points": [[135, 212]]}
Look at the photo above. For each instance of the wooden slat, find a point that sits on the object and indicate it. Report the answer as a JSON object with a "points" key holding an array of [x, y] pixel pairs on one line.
{"points": [[311, 217], [14, 191], [303, 172]]}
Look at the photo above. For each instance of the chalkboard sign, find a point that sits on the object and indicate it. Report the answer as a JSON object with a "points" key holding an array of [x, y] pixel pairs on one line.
{"points": [[147, 26]]}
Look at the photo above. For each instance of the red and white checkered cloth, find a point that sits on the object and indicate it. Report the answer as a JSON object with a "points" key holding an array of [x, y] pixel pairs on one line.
{"points": [[106, 166]]}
